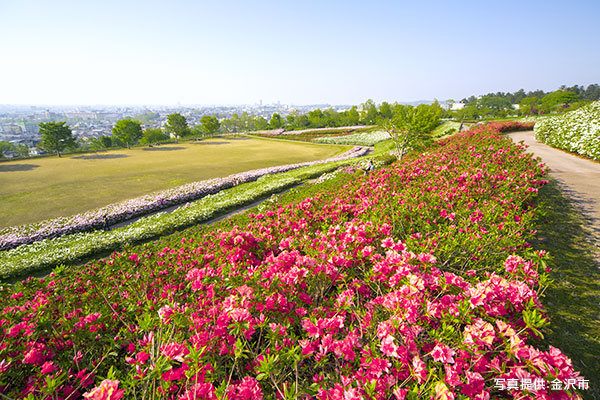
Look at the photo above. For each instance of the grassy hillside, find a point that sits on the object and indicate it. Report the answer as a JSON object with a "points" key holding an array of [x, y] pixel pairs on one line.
{"points": [[33, 190]]}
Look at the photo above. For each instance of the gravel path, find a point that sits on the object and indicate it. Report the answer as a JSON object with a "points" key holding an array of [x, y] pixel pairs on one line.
{"points": [[578, 177]]}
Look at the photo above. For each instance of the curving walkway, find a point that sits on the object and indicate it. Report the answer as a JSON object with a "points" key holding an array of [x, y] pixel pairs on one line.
{"points": [[578, 177]]}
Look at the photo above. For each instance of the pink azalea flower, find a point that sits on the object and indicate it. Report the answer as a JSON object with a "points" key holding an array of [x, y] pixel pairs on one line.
{"points": [[199, 391], [34, 356], [108, 390], [443, 353], [388, 347], [419, 369], [175, 351], [48, 367]]}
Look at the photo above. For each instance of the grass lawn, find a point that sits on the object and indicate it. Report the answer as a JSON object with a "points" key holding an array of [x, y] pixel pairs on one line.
{"points": [[38, 189], [572, 300]]}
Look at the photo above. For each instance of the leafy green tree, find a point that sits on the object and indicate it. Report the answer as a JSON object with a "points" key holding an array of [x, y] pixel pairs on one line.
{"points": [[5, 146], [260, 123], [275, 122], [153, 135], [351, 117], [301, 122], [385, 110], [331, 118], [290, 120], [470, 111], [23, 150], [529, 105], [411, 126], [592, 92], [56, 137], [128, 131], [103, 142], [232, 124], [177, 125], [369, 113], [210, 124], [553, 100], [494, 103], [315, 118]]}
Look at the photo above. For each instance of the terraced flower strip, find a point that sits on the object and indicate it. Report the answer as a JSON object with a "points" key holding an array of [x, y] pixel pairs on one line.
{"points": [[577, 131], [68, 249], [357, 139], [414, 281], [125, 210]]}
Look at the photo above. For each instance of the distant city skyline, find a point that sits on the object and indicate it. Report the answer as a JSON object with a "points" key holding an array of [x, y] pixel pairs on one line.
{"points": [[195, 53]]}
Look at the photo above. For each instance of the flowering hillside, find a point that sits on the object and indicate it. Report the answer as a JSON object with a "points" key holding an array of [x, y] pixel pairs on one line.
{"points": [[577, 131], [413, 281]]}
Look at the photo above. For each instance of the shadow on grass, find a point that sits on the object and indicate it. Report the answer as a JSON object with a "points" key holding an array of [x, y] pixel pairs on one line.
{"points": [[17, 167], [573, 299], [100, 157], [163, 148]]}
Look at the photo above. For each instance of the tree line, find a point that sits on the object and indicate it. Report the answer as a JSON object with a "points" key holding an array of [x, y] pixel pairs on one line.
{"points": [[536, 102], [57, 137]]}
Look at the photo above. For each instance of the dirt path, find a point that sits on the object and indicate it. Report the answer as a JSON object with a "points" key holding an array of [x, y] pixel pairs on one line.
{"points": [[579, 178]]}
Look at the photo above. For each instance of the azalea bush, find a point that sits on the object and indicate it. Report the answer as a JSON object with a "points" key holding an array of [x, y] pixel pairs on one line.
{"points": [[122, 211], [414, 281], [577, 131], [357, 139]]}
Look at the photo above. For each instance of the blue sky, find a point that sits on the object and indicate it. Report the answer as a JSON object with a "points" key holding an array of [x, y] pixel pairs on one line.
{"points": [[308, 52]]}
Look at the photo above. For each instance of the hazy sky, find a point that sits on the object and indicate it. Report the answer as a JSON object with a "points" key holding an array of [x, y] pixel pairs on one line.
{"points": [[301, 52]]}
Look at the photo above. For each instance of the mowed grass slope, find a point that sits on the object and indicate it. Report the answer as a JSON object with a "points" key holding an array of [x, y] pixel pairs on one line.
{"points": [[38, 189]]}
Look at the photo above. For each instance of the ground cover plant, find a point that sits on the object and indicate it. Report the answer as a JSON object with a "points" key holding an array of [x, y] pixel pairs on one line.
{"points": [[309, 136], [36, 190], [357, 139], [447, 128], [113, 213], [414, 281], [576, 131]]}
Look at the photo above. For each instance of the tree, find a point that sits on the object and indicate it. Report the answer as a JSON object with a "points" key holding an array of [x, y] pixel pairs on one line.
{"points": [[385, 110], [260, 123], [351, 117], [153, 135], [411, 126], [23, 150], [529, 105], [177, 125], [5, 146], [275, 122], [369, 112], [56, 137], [210, 124], [558, 98], [127, 131], [495, 103]]}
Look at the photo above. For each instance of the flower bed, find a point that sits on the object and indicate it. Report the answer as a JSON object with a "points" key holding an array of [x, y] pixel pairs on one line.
{"points": [[125, 210], [358, 139], [69, 249], [414, 281], [576, 131]]}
